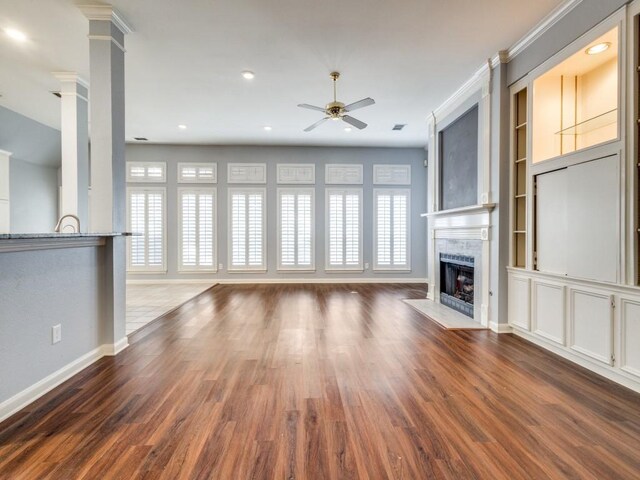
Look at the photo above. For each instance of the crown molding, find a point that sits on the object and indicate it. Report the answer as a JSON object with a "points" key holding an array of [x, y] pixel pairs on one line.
{"points": [[108, 13], [70, 77], [545, 24], [475, 83], [505, 56]]}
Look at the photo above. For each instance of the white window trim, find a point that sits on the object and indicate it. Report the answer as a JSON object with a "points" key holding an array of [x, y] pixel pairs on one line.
{"points": [[182, 165], [349, 268], [147, 269], [391, 268], [296, 192], [342, 170], [146, 179], [249, 268], [261, 168], [196, 268]]}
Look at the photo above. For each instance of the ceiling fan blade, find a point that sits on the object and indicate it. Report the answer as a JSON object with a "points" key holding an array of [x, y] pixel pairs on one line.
{"points": [[319, 122], [365, 102], [354, 121], [311, 107]]}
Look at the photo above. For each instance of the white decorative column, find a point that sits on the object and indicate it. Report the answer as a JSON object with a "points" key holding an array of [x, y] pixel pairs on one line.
{"points": [[106, 53], [108, 195], [75, 147], [5, 217]]}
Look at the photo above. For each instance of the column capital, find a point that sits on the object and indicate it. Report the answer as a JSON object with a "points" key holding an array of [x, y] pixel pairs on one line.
{"points": [[106, 13], [70, 77]]}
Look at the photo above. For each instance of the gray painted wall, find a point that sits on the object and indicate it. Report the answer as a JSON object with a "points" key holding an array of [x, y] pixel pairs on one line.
{"points": [[273, 155], [586, 15], [31, 303], [34, 197], [36, 155]]}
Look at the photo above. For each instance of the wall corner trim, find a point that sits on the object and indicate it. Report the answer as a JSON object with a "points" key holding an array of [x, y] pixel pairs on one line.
{"points": [[500, 327]]}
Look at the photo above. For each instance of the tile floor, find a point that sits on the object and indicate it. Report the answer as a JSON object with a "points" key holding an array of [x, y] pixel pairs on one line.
{"points": [[147, 302]]}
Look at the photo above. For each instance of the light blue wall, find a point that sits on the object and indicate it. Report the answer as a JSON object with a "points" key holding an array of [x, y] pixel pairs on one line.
{"points": [[33, 171], [319, 156], [34, 197]]}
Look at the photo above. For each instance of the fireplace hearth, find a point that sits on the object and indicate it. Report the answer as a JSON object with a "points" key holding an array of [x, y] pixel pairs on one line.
{"points": [[457, 282]]}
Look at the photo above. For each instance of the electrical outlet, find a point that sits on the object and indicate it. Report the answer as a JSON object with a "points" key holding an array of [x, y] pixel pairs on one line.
{"points": [[366, 266], [56, 333], [220, 266]]}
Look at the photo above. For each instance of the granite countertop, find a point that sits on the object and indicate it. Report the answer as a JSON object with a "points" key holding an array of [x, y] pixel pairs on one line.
{"points": [[19, 236]]}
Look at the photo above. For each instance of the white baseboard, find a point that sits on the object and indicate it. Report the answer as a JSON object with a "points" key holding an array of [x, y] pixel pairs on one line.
{"points": [[349, 280], [110, 350], [171, 281], [38, 389], [607, 372], [258, 280], [500, 327]]}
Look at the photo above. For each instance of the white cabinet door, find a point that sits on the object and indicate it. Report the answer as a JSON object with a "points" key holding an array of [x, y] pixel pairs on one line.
{"points": [[551, 222], [549, 311], [591, 324], [630, 335], [593, 213], [519, 301]]}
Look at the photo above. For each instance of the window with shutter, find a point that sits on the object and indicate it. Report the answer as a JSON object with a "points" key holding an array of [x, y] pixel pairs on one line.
{"points": [[197, 232], [247, 224], [344, 227], [391, 229], [146, 219], [295, 229], [197, 173], [146, 172]]}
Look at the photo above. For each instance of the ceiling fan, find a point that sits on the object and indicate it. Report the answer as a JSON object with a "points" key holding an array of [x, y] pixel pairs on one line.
{"points": [[336, 110]]}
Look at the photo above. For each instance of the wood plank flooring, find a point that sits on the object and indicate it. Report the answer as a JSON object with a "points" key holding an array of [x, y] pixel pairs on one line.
{"points": [[323, 382]]}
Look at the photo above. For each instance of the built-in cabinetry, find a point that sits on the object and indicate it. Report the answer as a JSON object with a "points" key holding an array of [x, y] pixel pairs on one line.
{"points": [[519, 177], [569, 287], [575, 103]]}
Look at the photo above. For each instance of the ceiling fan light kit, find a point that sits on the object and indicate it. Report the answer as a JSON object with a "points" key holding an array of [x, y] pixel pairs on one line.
{"points": [[336, 110]]}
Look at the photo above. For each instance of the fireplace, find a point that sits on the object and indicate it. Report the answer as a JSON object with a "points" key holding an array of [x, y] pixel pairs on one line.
{"points": [[457, 282]]}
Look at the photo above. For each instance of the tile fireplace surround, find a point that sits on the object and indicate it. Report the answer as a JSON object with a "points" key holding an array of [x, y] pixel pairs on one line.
{"points": [[464, 231]]}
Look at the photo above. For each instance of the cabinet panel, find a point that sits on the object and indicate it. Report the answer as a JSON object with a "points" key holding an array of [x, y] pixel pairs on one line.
{"points": [[593, 219], [519, 301], [630, 335], [549, 311], [551, 222], [591, 324]]}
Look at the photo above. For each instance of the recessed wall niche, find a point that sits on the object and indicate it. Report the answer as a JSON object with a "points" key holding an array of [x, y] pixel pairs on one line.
{"points": [[459, 162], [575, 104]]}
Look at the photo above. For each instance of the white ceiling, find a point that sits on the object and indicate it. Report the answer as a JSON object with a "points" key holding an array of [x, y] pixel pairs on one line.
{"points": [[184, 60]]}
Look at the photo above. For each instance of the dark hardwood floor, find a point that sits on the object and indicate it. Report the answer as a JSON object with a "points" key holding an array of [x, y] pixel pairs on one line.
{"points": [[294, 382]]}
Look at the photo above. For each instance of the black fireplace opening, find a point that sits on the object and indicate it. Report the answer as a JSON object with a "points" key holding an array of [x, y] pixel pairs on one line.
{"points": [[457, 282]]}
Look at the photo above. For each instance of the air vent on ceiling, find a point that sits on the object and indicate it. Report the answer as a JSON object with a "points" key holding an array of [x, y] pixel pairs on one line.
{"points": [[399, 126], [141, 139], [57, 94]]}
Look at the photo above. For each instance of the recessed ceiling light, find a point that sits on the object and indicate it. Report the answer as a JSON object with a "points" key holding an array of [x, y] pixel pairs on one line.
{"points": [[347, 129], [249, 75], [182, 127], [15, 34], [598, 48], [268, 128]]}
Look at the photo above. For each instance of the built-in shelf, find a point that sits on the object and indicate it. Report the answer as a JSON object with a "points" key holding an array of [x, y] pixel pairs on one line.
{"points": [[519, 178], [591, 124]]}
